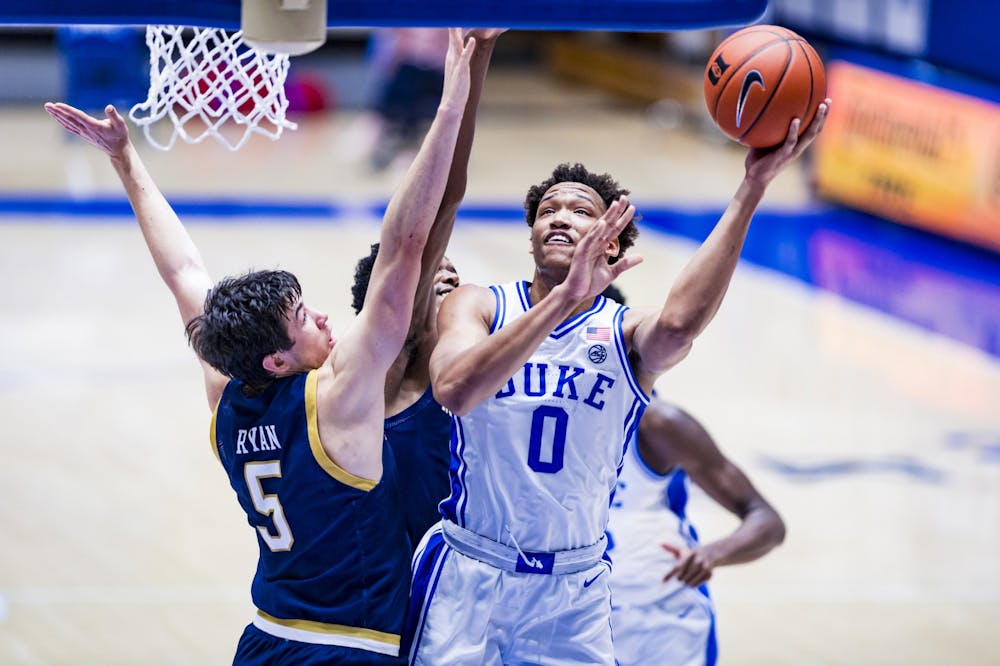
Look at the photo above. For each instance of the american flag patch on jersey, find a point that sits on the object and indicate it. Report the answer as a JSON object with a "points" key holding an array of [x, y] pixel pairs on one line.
{"points": [[598, 334]]}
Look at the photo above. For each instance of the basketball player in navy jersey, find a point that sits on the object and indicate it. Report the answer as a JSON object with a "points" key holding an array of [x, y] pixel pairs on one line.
{"points": [[417, 428], [547, 381], [661, 611], [297, 420]]}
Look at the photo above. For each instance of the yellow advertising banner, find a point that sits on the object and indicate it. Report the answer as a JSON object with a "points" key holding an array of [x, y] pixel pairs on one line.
{"points": [[912, 153]]}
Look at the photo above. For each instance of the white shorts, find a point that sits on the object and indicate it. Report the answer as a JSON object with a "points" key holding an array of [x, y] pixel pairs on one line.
{"points": [[678, 630], [466, 612]]}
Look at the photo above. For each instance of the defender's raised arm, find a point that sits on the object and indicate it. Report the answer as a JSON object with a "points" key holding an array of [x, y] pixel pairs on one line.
{"points": [[176, 257]]}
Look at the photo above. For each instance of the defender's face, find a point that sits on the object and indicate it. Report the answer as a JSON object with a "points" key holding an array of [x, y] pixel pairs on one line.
{"points": [[565, 213], [446, 280], [311, 338]]}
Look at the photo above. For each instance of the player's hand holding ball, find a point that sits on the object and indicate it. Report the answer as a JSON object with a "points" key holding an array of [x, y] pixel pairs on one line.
{"points": [[758, 80]]}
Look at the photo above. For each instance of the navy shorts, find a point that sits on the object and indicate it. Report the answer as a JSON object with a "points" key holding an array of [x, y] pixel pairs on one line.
{"points": [[259, 648]]}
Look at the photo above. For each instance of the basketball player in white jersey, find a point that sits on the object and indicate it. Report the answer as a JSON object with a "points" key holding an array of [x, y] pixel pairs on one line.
{"points": [[547, 381], [661, 612]]}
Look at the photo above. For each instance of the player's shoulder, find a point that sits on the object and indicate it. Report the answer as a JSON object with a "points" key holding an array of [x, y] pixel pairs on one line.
{"points": [[470, 297], [632, 318], [470, 290], [636, 315]]}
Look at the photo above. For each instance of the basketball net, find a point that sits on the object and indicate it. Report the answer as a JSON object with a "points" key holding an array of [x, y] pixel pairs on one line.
{"points": [[210, 80]]}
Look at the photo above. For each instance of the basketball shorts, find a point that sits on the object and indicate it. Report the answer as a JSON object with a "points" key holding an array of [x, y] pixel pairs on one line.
{"points": [[466, 612], [678, 630], [259, 648]]}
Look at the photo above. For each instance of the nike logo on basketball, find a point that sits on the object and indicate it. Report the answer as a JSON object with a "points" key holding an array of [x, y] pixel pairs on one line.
{"points": [[751, 77], [588, 583]]}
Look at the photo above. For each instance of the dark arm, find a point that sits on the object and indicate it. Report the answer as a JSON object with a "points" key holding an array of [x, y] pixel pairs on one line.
{"points": [[670, 437]]}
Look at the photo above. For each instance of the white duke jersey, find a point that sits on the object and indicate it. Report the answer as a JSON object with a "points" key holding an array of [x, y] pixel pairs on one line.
{"points": [[648, 509], [534, 466]]}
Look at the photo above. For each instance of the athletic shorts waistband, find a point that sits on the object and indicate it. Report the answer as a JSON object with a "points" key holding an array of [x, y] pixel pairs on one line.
{"points": [[514, 559]]}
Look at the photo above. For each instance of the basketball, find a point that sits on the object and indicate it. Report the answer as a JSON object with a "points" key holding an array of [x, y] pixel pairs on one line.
{"points": [[760, 78]]}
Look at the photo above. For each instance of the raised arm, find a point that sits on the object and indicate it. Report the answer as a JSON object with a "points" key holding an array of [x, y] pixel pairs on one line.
{"points": [[669, 437], [423, 327], [380, 330], [454, 191], [469, 364], [663, 338], [174, 253]]}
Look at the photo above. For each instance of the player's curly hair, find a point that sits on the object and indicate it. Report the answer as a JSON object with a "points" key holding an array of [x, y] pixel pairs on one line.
{"points": [[605, 186], [245, 319], [362, 276], [614, 293]]}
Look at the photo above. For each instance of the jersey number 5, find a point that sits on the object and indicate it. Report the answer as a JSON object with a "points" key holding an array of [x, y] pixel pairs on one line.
{"points": [[548, 444], [268, 505]]}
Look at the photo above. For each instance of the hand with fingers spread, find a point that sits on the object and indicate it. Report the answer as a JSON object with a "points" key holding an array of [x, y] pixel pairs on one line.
{"points": [[590, 273], [693, 567], [110, 134]]}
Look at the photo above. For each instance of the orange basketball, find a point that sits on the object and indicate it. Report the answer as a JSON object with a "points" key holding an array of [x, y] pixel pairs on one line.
{"points": [[758, 80]]}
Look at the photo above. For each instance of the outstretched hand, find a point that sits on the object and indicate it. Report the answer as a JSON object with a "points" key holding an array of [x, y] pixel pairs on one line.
{"points": [[763, 165], [456, 69], [692, 568], [110, 134], [589, 270]]}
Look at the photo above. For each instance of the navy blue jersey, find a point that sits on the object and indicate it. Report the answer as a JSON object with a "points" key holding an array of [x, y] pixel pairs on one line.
{"points": [[334, 556], [418, 437]]}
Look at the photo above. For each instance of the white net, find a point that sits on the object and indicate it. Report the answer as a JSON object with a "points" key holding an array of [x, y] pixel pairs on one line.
{"points": [[208, 82]]}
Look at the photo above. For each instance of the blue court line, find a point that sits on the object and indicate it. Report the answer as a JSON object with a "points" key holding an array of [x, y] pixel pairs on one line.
{"points": [[822, 471], [985, 444], [935, 283], [46, 205], [940, 285]]}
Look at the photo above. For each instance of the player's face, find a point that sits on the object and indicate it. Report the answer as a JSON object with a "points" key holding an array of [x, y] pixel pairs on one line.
{"points": [[565, 213], [311, 338], [446, 279]]}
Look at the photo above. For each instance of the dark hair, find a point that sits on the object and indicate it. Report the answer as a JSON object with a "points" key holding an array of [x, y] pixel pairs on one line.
{"points": [[614, 293], [362, 276], [605, 186], [245, 318]]}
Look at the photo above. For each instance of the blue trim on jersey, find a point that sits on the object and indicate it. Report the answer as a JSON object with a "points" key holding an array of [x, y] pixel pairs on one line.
{"points": [[463, 501], [501, 308], [457, 471], [632, 419], [572, 324], [692, 532], [426, 574], [651, 473], [619, 335], [712, 644], [522, 293], [676, 495]]}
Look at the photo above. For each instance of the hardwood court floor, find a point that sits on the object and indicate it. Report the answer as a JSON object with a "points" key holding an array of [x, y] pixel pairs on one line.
{"points": [[878, 442]]}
